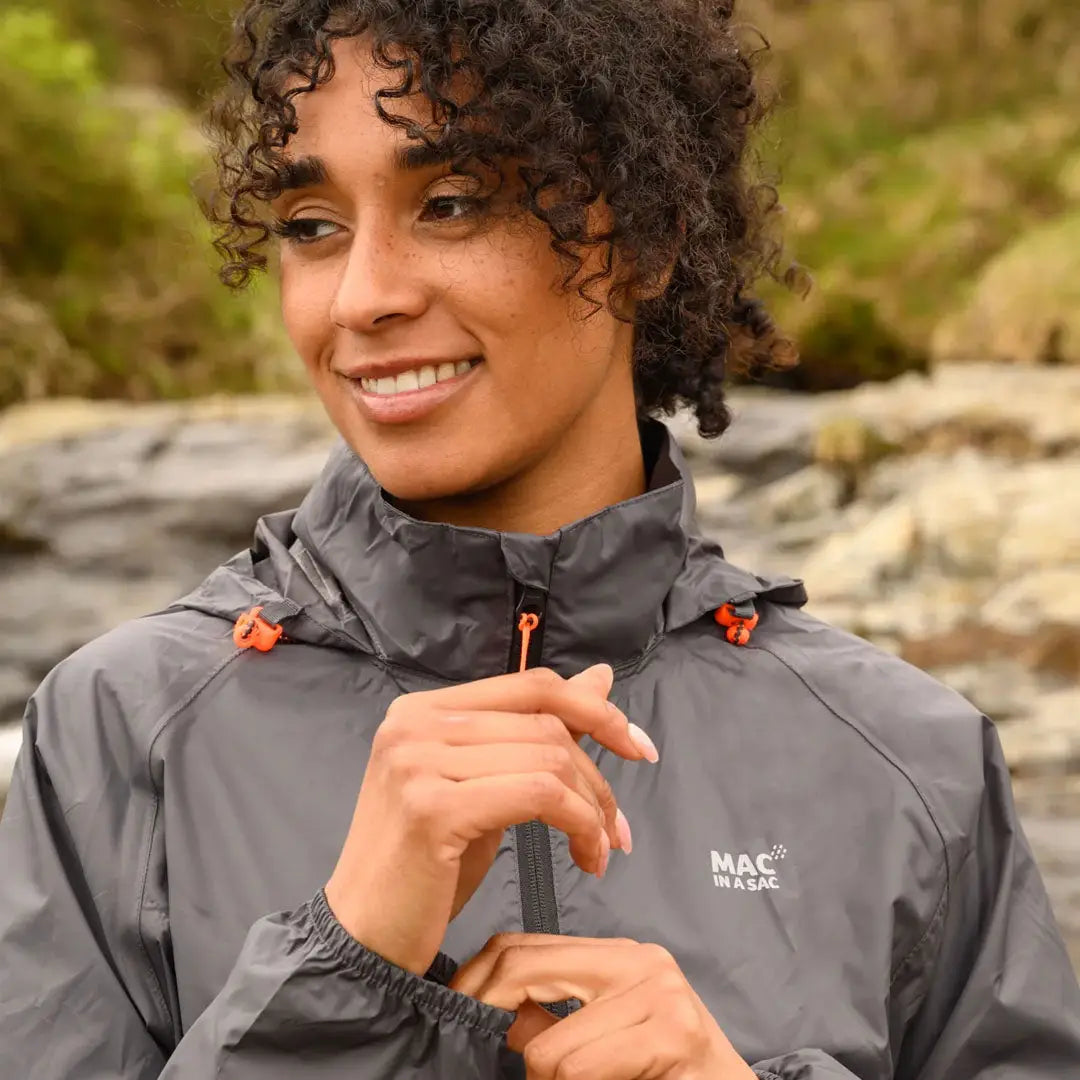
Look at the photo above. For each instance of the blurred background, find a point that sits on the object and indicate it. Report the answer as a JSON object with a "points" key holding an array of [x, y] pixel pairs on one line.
{"points": [[920, 469]]}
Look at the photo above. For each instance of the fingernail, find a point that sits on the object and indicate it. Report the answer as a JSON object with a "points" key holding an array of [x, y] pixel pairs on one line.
{"points": [[605, 854], [622, 827], [644, 744]]}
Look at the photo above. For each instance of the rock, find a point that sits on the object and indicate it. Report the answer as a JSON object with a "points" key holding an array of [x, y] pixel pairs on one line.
{"points": [[714, 493], [862, 563], [770, 436], [961, 517], [15, 690], [111, 512], [1003, 689], [1047, 595], [999, 410], [808, 495], [1044, 530], [1025, 307], [1051, 651], [1047, 743]]}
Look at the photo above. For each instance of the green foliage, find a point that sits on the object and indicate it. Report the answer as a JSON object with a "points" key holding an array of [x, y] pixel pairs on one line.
{"points": [[919, 145], [175, 44], [916, 140], [101, 239]]}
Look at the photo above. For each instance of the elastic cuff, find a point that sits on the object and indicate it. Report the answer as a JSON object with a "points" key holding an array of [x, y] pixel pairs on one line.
{"points": [[428, 994], [767, 1075]]}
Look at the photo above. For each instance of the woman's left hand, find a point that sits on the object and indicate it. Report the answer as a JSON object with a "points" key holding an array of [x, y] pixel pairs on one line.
{"points": [[640, 1019]]}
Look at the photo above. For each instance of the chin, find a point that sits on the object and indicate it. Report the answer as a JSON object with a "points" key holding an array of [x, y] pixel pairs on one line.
{"points": [[413, 477]]}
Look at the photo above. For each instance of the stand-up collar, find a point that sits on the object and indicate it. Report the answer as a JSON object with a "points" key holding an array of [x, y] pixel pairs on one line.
{"points": [[443, 598], [350, 570]]}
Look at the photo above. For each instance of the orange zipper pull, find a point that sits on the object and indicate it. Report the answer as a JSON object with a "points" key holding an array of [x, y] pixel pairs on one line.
{"points": [[252, 631], [526, 625]]}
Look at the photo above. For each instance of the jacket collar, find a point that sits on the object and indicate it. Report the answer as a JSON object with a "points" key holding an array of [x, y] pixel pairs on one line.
{"points": [[444, 598], [350, 569]]}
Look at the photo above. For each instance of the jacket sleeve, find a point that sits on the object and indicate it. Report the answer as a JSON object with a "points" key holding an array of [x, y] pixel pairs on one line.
{"points": [[1002, 998], [304, 990], [87, 990]]}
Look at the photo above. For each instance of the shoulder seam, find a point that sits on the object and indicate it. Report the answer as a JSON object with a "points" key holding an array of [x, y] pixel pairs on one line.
{"points": [[942, 904], [148, 841]]}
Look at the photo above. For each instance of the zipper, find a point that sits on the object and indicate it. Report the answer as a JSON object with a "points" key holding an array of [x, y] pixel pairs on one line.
{"points": [[536, 871]]}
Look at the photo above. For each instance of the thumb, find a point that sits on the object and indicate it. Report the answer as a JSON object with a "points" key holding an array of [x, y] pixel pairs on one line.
{"points": [[598, 678]]}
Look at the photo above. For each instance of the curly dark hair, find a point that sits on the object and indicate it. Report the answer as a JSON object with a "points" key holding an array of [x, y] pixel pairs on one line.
{"points": [[650, 104]]}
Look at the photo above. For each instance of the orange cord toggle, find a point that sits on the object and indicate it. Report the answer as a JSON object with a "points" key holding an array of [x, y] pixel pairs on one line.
{"points": [[252, 631], [526, 625], [739, 626]]}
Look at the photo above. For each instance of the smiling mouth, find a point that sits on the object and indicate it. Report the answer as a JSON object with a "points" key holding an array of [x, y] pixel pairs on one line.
{"points": [[416, 379]]}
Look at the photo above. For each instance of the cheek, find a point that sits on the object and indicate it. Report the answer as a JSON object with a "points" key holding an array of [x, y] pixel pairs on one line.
{"points": [[306, 300]]}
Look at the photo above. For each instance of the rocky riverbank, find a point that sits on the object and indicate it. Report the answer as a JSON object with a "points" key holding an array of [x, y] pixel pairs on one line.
{"points": [[939, 517]]}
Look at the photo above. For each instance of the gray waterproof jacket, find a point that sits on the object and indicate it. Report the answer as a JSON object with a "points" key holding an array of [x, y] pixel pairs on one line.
{"points": [[828, 845]]}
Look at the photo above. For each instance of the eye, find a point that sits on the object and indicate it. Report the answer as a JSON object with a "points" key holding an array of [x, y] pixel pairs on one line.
{"points": [[304, 230], [451, 208]]}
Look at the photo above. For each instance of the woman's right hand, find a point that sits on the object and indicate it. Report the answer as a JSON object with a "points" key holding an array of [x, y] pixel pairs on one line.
{"points": [[450, 770]]}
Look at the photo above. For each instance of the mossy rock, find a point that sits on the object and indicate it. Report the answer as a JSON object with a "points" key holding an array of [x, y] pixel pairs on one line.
{"points": [[1025, 306], [846, 344], [848, 443]]}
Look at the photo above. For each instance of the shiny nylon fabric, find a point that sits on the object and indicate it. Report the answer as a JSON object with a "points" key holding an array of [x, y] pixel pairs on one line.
{"points": [[179, 803]]}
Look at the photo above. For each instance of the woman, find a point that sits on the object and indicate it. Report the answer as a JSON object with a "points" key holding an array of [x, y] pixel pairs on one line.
{"points": [[511, 234]]}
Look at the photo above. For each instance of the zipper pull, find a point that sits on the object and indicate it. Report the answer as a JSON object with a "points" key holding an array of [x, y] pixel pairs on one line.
{"points": [[526, 625]]}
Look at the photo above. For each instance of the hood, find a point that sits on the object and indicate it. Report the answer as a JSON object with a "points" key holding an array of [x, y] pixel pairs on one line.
{"points": [[349, 570]]}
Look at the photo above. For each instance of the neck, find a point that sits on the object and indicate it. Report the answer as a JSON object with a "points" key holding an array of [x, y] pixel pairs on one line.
{"points": [[598, 462]]}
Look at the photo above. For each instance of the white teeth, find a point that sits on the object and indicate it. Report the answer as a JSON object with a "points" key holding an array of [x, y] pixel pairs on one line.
{"points": [[417, 379], [406, 381]]}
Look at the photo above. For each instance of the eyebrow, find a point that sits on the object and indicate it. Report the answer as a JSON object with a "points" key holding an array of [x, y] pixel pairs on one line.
{"points": [[311, 170]]}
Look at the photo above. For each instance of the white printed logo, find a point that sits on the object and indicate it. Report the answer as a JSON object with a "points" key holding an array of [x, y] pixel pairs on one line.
{"points": [[746, 872]]}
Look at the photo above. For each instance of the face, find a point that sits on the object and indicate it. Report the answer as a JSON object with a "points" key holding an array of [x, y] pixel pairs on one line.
{"points": [[433, 327]]}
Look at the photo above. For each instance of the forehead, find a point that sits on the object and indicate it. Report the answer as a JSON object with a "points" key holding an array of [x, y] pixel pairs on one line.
{"points": [[342, 112]]}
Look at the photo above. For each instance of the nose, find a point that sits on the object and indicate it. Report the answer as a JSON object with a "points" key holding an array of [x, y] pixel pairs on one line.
{"points": [[382, 280]]}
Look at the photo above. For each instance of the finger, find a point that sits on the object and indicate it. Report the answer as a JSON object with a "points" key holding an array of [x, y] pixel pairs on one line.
{"points": [[531, 1021], [484, 728], [549, 1044], [598, 679], [462, 763], [541, 690], [471, 975], [554, 973], [635, 1052], [474, 807]]}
